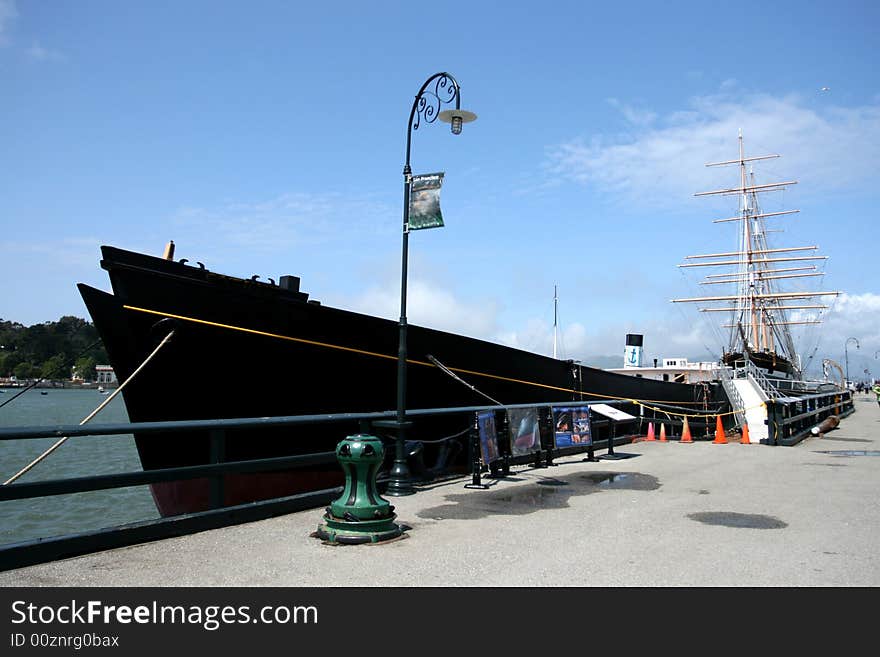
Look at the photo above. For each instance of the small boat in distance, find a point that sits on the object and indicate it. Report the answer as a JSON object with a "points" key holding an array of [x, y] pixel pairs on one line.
{"points": [[101, 389]]}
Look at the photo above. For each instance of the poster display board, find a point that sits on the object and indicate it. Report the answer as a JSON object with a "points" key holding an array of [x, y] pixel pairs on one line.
{"points": [[572, 426], [525, 433], [611, 412], [488, 436]]}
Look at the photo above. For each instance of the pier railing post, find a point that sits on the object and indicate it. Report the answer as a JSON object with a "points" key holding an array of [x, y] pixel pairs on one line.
{"points": [[591, 454], [773, 419], [548, 436], [476, 460], [217, 454]]}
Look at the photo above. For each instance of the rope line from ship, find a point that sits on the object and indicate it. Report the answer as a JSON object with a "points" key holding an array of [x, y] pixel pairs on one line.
{"points": [[97, 410], [697, 415], [649, 404]]}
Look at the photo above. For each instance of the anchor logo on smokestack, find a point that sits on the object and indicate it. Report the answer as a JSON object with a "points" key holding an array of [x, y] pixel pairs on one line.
{"points": [[632, 353]]}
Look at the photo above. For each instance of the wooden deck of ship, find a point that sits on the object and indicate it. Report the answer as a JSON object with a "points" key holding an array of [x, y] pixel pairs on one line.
{"points": [[672, 514]]}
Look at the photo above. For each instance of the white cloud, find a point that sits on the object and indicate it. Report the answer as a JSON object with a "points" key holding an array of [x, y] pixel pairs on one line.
{"points": [[828, 148], [431, 306], [662, 159], [860, 305], [696, 338], [536, 335], [853, 316]]}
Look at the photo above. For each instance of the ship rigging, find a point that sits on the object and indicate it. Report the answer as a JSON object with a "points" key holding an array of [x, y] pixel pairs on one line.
{"points": [[759, 309]]}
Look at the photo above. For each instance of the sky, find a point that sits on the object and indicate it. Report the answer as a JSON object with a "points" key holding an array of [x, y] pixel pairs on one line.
{"points": [[269, 138]]}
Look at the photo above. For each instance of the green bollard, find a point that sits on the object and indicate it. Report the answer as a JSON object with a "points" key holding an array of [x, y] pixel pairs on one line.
{"points": [[360, 514]]}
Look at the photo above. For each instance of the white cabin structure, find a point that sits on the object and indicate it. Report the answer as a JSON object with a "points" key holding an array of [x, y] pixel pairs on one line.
{"points": [[677, 370]]}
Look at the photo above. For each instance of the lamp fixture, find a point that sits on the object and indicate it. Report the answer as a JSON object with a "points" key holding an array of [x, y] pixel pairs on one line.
{"points": [[456, 117]]}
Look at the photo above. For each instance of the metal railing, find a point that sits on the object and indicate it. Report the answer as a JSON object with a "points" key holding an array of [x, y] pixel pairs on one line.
{"points": [[745, 368], [733, 396], [50, 548], [791, 419]]}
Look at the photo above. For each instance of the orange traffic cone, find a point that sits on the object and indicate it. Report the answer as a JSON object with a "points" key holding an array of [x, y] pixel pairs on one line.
{"points": [[745, 435], [650, 432], [720, 438], [686, 432], [662, 433]]}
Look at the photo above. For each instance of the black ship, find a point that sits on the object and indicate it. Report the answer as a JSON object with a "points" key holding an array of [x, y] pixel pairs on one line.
{"points": [[245, 348]]}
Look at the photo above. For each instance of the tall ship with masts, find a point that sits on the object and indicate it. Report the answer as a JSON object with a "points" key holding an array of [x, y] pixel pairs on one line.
{"points": [[760, 311]]}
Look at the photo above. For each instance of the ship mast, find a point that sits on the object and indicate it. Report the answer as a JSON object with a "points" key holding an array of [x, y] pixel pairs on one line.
{"points": [[759, 309], [554, 321]]}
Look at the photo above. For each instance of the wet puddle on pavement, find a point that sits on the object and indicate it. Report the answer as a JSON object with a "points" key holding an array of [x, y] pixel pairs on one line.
{"points": [[846, 440], [850, 452], [547, 493], [738, 520]]}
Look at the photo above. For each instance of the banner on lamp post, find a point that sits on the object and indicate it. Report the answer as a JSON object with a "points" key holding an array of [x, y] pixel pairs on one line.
{"points": [[424, 201]]}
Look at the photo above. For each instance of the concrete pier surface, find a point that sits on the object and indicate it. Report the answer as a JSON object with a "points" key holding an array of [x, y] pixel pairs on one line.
{"points": [[697, 514]]}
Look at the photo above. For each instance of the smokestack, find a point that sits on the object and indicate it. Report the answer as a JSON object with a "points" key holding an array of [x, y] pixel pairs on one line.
{"points": [[632, 353]]}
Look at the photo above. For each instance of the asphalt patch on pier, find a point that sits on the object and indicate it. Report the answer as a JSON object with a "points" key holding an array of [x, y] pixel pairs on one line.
{"points": [[850, 452], [548, 493], [738, 520], [847, 440]]}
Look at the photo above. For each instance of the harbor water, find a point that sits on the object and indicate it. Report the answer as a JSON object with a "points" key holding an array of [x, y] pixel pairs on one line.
{"points": [[80, 456]]}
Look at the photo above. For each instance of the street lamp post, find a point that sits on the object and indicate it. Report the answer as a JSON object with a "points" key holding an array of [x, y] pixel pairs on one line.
{"points": [[846, 355], [438, 90]]}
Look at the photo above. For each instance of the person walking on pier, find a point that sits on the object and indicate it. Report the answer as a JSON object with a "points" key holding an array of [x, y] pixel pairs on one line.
{"points": [[876, 390]]}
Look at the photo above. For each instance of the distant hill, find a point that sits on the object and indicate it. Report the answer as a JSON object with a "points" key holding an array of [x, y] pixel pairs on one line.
{"points": [[50, 349]]}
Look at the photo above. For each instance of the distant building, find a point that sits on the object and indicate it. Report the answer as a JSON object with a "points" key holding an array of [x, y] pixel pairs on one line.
{"points": [[105, 375]]}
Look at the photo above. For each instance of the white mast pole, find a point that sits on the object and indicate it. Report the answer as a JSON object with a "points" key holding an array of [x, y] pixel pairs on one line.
{"points": [[554, 321], [747, 247]]}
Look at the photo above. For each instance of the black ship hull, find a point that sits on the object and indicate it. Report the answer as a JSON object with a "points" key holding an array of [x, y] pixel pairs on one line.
{"points": [[771, 363], [243, 348]]}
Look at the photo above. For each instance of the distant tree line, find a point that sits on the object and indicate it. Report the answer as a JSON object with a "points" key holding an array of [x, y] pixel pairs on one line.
{"points": [[51, 350]]}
